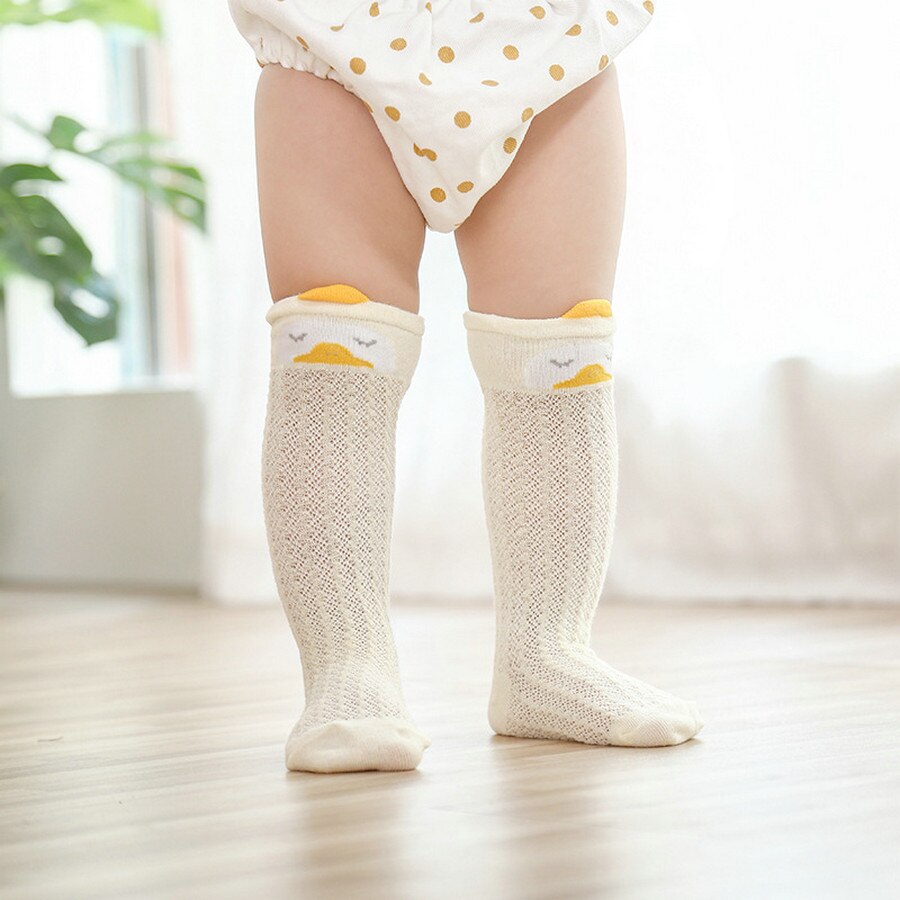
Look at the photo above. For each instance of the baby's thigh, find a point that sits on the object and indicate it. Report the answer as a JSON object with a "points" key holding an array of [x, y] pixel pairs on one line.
{"points": [[332, 205], [547, 234]]}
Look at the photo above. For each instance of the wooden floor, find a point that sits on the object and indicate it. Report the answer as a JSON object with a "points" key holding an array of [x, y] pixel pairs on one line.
{"points": [[141, 756]]}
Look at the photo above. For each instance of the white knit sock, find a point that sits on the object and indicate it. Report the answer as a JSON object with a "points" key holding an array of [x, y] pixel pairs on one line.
{"points": [[549, 478], [341, 364]]}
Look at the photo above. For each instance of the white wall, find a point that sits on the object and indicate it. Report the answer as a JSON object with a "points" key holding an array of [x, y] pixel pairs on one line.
{"points": [[100, 489]]}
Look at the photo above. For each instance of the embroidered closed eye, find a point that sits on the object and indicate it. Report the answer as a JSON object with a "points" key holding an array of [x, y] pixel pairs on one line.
{"points": [[297, 337], [365, 343], [562, 363]]}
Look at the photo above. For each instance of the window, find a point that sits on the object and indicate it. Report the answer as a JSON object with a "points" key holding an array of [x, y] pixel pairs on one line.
{"points": [[112, 82]]}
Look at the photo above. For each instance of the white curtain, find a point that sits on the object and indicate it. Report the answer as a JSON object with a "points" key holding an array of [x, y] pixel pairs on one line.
{"points": [[758, 384]]}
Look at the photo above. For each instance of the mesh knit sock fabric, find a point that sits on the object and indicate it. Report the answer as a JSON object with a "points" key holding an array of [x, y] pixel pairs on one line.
{"points": [[549, 478], [341, 364]]}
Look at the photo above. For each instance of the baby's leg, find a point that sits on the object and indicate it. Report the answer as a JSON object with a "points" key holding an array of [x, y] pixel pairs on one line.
{"points": [[540, 254], [548, 232], [332, 206], [342, 240]]}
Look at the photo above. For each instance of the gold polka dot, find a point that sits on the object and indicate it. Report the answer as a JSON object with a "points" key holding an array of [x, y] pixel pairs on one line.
{"points": [[510, 144], [527, 113], [574, 30], [374, 10], [424, 78], [538, 12], [368, 106], [557, 72], [511, 52], [648, 5], [490, 82], [611, 17], [428, 6], [392, 112], [462, 119], [477, 18], [302, 43], [337, 27], [438, 194], [446, 54], [398, 44], [424, 151], [465, 186], [604, 62], [357, 65]]}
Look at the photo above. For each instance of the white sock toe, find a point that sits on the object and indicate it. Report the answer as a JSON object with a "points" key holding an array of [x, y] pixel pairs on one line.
{"points": [[646, 729], [360, 745], [698, 718]]}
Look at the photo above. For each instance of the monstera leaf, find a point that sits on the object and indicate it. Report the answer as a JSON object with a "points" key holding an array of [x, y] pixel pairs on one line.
{"points": [[36, 239], [139, 160], [138, 14]]}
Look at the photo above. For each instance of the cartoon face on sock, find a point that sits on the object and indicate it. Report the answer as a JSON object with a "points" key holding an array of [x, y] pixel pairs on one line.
{"points": [[570, 364], [331, 341]]}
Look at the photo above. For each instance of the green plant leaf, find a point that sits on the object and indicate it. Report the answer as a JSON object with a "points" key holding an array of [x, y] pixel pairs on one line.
{"points": [[93, 327], [36, 239], [139, 160], [16, 173], [134, 138], [63, 133], [138, 14]]}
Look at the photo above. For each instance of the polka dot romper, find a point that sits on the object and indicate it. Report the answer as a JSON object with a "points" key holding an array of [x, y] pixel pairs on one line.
{"points": [[453, 85]]}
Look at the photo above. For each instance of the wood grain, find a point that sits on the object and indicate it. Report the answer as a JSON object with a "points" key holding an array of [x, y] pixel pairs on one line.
{"points": [[141, 756]]}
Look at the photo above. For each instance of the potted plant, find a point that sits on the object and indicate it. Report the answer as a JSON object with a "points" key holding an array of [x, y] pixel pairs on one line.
{"points": [[37, 240]]}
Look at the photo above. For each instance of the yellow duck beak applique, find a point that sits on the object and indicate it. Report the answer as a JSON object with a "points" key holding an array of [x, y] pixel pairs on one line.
{"points": [[588, 309], [332, 354], [592, 374], [335, 293]]}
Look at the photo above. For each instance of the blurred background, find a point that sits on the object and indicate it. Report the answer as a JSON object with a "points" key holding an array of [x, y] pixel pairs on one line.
{"points": [[147, 676], [758, 301]]}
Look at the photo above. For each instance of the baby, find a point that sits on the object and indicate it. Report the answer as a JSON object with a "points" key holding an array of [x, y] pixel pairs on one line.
{"points": [[376, 121]]}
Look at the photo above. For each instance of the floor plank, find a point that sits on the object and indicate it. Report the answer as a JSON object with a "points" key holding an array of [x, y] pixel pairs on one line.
{"points": [[141, 756]]}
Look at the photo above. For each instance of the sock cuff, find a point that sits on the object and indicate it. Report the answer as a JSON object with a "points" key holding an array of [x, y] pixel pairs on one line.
{"points": [[346, 301], [572, 352], [587, 318], [339, 327]]}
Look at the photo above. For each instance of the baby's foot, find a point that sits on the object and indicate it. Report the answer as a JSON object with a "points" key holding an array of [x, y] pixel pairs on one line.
{"points": [[355, 720], [570, 694], [355, 745]]}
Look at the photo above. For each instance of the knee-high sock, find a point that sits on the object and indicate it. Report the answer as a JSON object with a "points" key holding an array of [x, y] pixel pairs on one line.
{"points": [[341, 364], [549, 478]]}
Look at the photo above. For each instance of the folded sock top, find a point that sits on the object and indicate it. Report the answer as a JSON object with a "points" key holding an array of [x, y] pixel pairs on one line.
{"points": [[571, 352], [587, 318], [337, 326], [349, 302]]}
